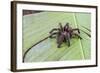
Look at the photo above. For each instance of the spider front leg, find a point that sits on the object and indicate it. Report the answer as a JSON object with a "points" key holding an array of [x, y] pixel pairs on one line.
{"points": [[66, 26], [61, 27], [76, 29], [67, 38], [52, 35], [55, 29]]}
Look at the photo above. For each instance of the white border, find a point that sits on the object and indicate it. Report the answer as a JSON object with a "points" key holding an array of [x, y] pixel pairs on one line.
{"points": [[21, 65]]}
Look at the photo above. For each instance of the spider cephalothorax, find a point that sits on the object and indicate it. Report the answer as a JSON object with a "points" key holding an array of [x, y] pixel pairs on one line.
{"points": [[64, 34]]}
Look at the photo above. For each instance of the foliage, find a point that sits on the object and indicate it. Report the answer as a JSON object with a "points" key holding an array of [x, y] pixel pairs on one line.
{"points": [[36, 27]]}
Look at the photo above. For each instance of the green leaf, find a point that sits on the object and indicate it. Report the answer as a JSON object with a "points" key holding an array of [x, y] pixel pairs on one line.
{"points": [[37, 26]]}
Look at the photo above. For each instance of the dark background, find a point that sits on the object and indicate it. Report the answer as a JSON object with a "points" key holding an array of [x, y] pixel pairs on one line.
{"points": [[26, 12]]}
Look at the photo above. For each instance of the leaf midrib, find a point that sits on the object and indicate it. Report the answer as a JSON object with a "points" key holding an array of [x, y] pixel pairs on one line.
{"points": [[81, 46]]}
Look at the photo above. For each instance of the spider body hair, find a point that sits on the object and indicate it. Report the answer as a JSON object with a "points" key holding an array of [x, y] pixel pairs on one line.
{"points": [[64, 34]]}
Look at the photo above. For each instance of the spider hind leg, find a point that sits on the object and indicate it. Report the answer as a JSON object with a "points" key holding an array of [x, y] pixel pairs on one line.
{"points": [[76, 34], [67, 38]]}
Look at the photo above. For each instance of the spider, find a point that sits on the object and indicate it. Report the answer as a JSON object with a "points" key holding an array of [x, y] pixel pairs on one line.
{"points": [[64, 34]]}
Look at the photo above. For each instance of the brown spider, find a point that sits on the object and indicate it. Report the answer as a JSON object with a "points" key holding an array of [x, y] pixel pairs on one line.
{"points": [[64, 34]]}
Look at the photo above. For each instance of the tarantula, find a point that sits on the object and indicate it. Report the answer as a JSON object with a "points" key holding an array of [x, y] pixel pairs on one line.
{"points": [[64, 34]]}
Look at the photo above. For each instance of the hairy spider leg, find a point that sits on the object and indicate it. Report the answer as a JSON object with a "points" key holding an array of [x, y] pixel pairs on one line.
{"points": [[67, 38], [69, 30], [52, 35], [55, 29], [60, 39], [76, 34], [61, 27], [66, 26], [76, 29]]}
